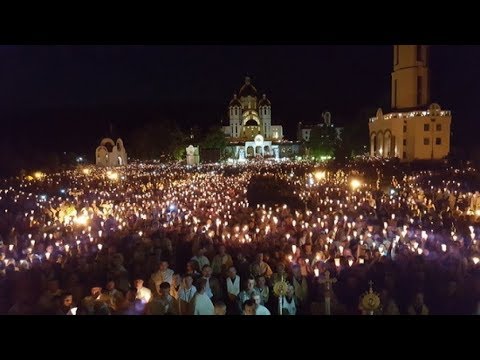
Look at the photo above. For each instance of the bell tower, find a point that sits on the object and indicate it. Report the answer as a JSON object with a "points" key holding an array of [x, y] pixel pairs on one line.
{"points": [[410, 77]]}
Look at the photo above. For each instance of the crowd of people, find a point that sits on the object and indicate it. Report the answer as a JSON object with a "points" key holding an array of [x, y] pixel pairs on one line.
{"points": [[156, 239]]}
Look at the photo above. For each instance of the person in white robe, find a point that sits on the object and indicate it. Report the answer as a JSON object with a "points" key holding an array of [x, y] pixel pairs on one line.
{"points": [[203, 304]]}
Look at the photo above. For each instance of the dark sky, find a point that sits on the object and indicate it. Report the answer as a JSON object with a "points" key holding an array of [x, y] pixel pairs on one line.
{"points": [[67, 95]]}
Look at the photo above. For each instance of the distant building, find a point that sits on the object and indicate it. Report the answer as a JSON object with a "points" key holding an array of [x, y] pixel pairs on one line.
{"points": [[110, 153], [193, 156], [413, 130], [250, 132], [304, 130]]}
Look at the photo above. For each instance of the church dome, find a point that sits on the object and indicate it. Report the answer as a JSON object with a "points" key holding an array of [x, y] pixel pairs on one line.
{"points": [[264, 101], [247, 89], [235, 101]]}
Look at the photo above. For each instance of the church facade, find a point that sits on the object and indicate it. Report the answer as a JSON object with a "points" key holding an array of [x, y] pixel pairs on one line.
{"points": [[415, 129], [250, 132], [110, 153]]}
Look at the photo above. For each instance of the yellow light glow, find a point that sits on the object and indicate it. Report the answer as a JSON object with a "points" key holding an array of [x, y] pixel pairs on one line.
{"points": [[112, 175], [320, 175], [38, 175], [81, 220], [86, 171], [355, 184]]}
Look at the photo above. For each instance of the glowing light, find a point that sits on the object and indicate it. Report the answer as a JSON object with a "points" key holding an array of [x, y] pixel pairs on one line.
{"points": [[38, 175], [320, 175], [100, 246], [337, 262], [317, 272], [475, 260], [112, 175], [444, 247], [355, 184], [294, 249], [81, 220]]}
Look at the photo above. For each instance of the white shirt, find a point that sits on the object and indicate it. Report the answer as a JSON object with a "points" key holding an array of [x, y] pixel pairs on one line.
{"points": [[208, 290], [144, 294], [203, 305], [233, 287], [162, 276], [201, 260], [262, 310], [187, 294], [290, 307]]}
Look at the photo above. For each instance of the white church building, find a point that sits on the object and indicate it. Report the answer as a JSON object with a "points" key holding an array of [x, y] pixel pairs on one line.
{"points": [[110, 153], [250, 131]]}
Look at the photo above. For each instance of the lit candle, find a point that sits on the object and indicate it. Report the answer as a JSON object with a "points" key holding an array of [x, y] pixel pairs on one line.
{"points": [[444, 247], [317, 272], [337, 262], [294, 249]]}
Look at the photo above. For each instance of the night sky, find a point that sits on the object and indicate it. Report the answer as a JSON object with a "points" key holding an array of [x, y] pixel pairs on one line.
{"points": [[63, 98]]}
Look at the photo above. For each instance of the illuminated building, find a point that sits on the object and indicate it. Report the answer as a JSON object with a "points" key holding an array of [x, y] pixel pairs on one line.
{"points": [[415, 129], [250, 132]]}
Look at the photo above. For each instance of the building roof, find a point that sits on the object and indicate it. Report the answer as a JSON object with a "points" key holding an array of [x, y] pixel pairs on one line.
{"points": [[264, 101], [247, 89], [235, 101]]}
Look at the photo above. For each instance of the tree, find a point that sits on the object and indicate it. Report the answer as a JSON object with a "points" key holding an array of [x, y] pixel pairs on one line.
{"points": [[323, 141], [215, 139], [159, 139]]}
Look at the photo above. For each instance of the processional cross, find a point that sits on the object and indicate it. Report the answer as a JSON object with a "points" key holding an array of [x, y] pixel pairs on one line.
{"points": [[328, 288]]}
